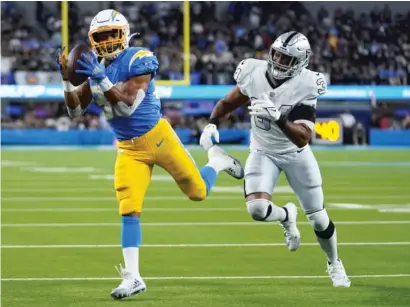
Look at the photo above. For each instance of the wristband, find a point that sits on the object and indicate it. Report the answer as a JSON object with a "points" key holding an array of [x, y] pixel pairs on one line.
{"points": [[214, 121], [68, 87], [105, 85]]}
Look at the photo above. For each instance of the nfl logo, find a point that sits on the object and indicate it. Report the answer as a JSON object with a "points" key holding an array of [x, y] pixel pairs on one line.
{"points": [[271, 95]]}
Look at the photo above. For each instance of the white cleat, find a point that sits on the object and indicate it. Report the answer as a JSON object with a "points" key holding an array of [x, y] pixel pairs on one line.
{"points": [[338, 274], [129, 285], [291, 232], [230, 165]]}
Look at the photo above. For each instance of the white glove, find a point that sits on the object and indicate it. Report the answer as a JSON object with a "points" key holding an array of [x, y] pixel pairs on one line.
{"points": [[208, 136], [264, 108]]}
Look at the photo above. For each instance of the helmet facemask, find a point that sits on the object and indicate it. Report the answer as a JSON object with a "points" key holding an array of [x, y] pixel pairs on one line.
{"points": [[108, 42], [282, 65]]}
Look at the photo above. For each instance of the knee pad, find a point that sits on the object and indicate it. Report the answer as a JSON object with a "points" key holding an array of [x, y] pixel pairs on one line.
{"points": [[261, 209], [323, 226]]}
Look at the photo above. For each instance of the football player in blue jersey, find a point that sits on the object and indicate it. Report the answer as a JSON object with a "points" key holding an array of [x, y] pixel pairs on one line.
{"points": [[122, 84]]}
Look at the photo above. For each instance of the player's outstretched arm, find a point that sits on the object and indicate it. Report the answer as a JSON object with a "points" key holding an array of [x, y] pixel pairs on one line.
{"points": [[124, 100], [76, 99], [223, 107], [226, 105]]}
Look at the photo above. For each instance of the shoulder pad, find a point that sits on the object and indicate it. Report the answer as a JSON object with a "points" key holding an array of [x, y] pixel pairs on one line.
{"points": [[143, 62], [243, 74]]}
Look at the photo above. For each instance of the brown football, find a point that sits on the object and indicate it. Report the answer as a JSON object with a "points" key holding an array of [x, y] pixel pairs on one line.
{"points": [[72, 65]]}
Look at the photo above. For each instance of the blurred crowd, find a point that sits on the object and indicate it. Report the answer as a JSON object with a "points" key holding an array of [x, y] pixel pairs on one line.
{"points": [[53, 115], [180, 114], [367, 48], [385, 116], [351, 48]]}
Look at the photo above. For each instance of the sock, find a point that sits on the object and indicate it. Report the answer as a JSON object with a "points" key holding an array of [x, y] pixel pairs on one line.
{"points": [[215, 161], [285, 219], [264, 210], [131, 260], [329, 246], [208, 174], [131, 240], [276, 214], [325, 232]]}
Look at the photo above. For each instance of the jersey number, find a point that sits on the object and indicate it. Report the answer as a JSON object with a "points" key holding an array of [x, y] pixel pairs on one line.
{"points": [[265, 124], [104, 104], [262, 123], [321, 84], [238, 71]]}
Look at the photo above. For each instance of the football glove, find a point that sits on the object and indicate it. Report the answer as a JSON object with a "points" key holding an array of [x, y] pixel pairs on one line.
{"points": [[264, 108], [209, 136], [61, 60], [91, 67]]}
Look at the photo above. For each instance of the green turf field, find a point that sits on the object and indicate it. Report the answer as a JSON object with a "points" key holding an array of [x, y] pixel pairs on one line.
{"points": [[60, 228]]}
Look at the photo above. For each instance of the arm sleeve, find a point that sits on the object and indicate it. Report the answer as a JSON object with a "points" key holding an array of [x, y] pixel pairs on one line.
{"points": [[305, 111]]}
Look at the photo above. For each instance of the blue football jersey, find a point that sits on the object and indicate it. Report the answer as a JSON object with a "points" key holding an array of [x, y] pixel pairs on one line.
{"points": [[133, 61]]}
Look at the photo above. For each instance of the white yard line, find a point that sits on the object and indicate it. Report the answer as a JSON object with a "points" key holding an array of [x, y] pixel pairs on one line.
{"points": [[222, 189], [201, 277], [181, 198], [400, 208], [171, 224], [53, 190], [109, 198], [195, 245], [395, 210], [116, 209]]}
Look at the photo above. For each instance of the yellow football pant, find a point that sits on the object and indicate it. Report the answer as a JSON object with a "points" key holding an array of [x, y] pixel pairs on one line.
{"points": [[136, 158]]}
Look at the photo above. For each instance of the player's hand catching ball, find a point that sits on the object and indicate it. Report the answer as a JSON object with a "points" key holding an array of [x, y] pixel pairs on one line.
{"points": [[91, 67], [209, 136], [264, 108], [61, 60]]}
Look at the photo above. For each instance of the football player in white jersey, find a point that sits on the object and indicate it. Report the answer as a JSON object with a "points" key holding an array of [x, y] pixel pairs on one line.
{"points": [[283, 95]]}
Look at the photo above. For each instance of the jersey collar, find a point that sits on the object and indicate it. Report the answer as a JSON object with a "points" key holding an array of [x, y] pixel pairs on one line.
{"points": [[272, 85]]}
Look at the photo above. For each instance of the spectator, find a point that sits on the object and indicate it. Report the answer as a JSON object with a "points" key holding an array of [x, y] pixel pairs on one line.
{"points": [[370, 48]]}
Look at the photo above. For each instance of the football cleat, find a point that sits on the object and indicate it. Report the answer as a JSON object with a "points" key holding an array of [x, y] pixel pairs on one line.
{"points": [[291, 232], [129, 285], [338, 274], [230, 165]]}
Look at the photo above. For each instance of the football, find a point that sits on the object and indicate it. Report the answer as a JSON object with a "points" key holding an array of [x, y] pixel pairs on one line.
{"points": [[72, 65]]}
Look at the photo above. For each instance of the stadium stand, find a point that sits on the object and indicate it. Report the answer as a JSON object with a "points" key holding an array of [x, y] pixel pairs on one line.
{"points": [[351, 48], [370, 48]]}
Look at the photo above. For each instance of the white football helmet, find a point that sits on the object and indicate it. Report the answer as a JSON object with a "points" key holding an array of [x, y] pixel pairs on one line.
{"points": [[109, 34], [288, 55]]}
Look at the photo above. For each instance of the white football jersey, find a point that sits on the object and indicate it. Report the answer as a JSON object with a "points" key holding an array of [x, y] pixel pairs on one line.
{"points": [[296, 97]]}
